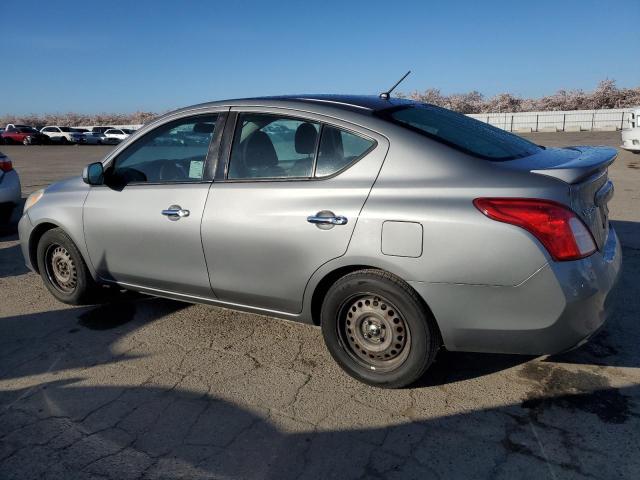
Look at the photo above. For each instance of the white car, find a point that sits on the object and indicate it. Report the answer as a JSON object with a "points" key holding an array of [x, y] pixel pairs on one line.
{"points": [[62, 135], [631, 135], [117, 134]]}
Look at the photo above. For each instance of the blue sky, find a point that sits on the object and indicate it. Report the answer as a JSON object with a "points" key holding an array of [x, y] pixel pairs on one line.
{"points": [[122, 56]]}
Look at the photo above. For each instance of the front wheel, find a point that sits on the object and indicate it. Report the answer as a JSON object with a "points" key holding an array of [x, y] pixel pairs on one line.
{"points": [[63, 269], [378, 330]]}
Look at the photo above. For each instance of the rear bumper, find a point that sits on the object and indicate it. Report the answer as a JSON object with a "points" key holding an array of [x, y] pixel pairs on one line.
{"points": [[554, 310], [631, 148]]}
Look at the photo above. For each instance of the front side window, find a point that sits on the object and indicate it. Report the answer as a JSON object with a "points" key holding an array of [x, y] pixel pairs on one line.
{"points": [[269, 146], [461, 132], [174, 152]]}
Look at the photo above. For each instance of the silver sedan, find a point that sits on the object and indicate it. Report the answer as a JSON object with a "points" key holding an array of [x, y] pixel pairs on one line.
{"points": [[398, 227]]}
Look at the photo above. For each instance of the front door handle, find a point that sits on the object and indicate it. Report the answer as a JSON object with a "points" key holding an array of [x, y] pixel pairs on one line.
{"points": [[175, 212]]}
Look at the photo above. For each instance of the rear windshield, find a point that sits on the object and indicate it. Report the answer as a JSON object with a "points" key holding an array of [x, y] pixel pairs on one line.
{"points": [[461, 132]]}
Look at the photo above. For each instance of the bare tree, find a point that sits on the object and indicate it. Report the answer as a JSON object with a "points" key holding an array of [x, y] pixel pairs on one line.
{"points": [[606, 95]]}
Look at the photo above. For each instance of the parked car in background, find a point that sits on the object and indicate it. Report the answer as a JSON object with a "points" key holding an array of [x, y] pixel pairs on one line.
{"points": [[62, 135], [398, 227], [15, 125], [23, 134], [117, 134], [99, 129], [93, 138], [631, 135], [10, 192]]}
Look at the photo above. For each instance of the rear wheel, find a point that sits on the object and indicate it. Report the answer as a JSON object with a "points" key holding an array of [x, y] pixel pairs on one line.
{"points": [[378, 330], [25, 141], [63, 269], [63, 140]]}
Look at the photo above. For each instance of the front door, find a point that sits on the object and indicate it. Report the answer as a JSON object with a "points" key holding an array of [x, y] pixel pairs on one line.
{"points": [[287, 203], [143, 226]]}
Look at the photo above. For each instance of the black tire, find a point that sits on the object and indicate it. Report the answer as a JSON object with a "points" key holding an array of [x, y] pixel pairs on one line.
{"points": [[399, 308], [25, 142], [55, 247], [63, 140]]}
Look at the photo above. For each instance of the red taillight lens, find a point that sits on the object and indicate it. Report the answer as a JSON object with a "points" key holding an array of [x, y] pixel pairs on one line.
{"points": [[557, 227], [5, 164]]}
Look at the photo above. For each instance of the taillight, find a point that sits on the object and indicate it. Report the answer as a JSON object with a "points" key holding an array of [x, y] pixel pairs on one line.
{"points": [[557, 227], [5, 164]]}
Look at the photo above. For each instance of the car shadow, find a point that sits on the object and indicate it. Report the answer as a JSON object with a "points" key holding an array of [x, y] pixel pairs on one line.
{"points": [[11, 261], [628, 233], [68, 429], [11, 227], [125, 313]]}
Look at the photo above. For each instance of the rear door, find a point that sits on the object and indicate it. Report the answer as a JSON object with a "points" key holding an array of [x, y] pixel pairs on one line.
{"points": [[142, 227], [268, 224]]}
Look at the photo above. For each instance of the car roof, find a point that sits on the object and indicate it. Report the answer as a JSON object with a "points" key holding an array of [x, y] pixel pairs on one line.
{"points": [[365, 104]]}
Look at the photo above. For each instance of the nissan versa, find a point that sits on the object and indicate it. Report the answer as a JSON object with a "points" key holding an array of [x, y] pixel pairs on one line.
{"points": [[398, 227]]}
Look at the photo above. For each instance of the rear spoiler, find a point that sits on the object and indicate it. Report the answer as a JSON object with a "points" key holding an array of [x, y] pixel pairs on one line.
{"points": [[569, 164], [590, 161]]}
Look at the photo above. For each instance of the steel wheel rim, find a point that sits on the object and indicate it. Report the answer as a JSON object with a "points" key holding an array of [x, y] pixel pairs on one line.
{"points": [[374, 332], [61, 269]]}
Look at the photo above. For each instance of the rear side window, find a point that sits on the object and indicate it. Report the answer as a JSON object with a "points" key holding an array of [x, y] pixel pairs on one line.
{"points": [[339, 149], [462, 132], [267, 146]]}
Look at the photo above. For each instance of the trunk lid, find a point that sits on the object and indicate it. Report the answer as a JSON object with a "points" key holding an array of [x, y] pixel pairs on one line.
{"points": [[584, 169]]}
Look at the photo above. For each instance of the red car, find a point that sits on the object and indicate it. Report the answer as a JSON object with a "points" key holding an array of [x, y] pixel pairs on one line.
{"points": [[23, 134]]}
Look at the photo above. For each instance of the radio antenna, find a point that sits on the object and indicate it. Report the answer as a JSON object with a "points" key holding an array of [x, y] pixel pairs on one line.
{"points": [[387, 94]]}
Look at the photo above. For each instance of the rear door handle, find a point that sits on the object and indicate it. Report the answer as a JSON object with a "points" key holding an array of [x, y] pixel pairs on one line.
{"points": [[327, 218], [175, 212]]}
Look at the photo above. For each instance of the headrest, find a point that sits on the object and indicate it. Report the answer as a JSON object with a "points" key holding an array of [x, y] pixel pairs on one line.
{"points": [[259, 152], [306, 138]]}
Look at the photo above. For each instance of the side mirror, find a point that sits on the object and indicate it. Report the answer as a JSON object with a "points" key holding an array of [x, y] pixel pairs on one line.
{"points": [[93, 174]]}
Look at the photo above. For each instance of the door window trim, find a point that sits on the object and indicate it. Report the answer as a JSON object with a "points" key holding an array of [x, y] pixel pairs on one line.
{"points": [[222, 171]]}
